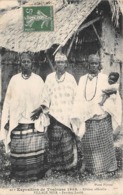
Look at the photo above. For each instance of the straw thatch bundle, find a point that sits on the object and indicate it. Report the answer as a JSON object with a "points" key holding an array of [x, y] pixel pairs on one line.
{"points": [[58, 4], [66, 23], [8, 4], [115, 9], [120, 2]]}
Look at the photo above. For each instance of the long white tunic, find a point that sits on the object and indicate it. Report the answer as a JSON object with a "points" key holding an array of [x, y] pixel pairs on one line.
{"points": [[59, 96], [113, 106], [87, 100], [22, 97]]}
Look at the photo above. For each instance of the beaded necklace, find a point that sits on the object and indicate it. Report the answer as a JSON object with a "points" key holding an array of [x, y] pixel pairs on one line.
{"points": [[60, 80], [85, 93], [25, 76]]}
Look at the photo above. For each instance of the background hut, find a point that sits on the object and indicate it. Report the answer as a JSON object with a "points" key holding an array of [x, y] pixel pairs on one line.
{"points": [[81, 28]]}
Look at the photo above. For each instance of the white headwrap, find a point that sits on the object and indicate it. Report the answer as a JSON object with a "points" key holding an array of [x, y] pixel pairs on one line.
{"points": [[60, 57]]}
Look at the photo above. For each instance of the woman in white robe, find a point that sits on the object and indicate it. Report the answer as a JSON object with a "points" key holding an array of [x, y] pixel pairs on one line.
{"points": [[19, 133]]}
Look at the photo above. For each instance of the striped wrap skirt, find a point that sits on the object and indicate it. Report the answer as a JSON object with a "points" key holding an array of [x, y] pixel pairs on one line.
{"points": [[62, 149], [28, 153], [98, 148]]}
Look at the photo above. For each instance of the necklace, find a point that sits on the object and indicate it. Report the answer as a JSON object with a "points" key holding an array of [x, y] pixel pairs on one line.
{"points": [[94, 91], [25, 76], [60, 80]]}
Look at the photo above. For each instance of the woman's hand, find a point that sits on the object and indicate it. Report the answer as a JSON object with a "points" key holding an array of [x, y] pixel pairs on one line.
{"points": [[36, 113], [100, 103]]}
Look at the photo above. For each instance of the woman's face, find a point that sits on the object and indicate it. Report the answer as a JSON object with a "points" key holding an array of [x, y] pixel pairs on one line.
{"points": [[94, 66], [60, 66], [26, 64]]}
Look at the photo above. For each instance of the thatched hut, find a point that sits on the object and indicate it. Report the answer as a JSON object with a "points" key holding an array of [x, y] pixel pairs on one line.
{"points": [[82, 27], [8, 5]]}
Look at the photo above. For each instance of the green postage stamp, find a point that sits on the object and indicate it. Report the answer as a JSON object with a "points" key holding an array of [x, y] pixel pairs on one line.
{"points": [[39, 18]]}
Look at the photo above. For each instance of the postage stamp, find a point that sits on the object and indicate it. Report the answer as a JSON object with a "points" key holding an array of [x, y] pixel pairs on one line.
{"points": [[38, 18]]}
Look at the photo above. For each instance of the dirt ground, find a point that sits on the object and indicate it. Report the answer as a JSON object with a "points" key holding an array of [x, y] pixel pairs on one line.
{"points": [[59, 178]]}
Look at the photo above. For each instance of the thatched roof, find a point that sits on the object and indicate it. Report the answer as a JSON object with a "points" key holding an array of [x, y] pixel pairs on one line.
{"points": [[120, 2], [67, 21], [7, 5], [58, 4]]}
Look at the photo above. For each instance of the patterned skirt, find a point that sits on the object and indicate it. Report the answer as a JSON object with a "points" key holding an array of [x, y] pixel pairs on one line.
{"points": [[62, 150], [98, 148], [28, 153]]}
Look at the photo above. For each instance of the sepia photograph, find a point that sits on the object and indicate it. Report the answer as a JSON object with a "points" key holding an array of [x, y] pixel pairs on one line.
{"points": [[61, 116]]}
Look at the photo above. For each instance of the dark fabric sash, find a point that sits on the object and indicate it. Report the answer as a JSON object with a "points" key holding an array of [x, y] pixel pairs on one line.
{"points": [[53, 122], [24, 126]]}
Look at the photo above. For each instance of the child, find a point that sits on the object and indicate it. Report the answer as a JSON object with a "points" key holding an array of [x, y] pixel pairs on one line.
{"points": [[111, 101], [112, 88]]}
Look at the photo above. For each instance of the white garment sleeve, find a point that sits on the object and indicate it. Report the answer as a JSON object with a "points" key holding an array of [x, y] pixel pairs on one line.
{"points": [[77, 118], [79, 99], [74, 89], [6, 110], [41, 88], [46, 94]]}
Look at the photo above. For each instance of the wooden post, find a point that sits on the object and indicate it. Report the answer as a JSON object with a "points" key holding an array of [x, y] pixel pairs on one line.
{"points": [[70, 46], [50, 63], [87, 24], [100, 41]]}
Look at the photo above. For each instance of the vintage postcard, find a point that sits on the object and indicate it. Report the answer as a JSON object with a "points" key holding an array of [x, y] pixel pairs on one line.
{"points": [[61, 116]]}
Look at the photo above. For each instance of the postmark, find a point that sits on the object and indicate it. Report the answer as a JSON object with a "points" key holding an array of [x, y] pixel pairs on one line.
{"points": [[38, 18]]}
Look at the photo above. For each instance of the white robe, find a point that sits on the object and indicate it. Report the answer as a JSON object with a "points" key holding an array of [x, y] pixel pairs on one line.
{"points": [[84, 109], [59, 96], [22, 97], [113, 105]]}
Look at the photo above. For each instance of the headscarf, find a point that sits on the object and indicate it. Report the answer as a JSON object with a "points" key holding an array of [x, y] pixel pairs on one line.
{"points": [[25, 55], [60, 57], [93, 56]]}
